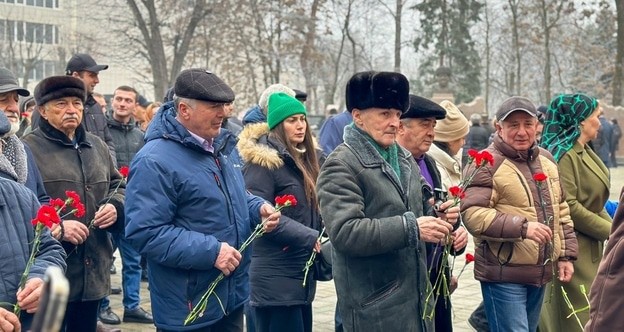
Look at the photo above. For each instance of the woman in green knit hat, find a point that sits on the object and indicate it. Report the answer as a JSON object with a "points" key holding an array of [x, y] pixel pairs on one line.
{"points": [[281, 159]]}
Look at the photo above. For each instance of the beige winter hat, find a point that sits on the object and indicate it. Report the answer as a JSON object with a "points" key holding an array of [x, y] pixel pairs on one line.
{"points": [[453, 126]]}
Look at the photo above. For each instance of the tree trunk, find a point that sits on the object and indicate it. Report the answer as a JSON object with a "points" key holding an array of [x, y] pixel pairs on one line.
{"points": [[397, 36], [513, 4], [619, 57], [547, 73]]}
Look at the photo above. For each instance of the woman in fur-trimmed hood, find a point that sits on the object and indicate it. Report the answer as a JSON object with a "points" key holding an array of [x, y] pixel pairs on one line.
{"points": [[280, 159]]}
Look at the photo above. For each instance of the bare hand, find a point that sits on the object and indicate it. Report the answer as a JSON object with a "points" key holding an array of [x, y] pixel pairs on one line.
{"points": [[460, 239], [9, 322], [105, 216], [317, 247], [538, 232], [566, 270], [228, 259], [270, 217], [28, 298], [433, 229], [450, 214], [75, 231]]}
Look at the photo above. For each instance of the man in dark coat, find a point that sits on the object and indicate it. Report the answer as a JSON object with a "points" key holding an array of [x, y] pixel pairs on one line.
{"points": [[78, 161], [370, 195]]}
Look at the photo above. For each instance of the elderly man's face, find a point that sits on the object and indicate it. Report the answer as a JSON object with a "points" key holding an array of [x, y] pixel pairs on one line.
{"points": [[416, 135], [380, 123], [203, 118], [518, 130], [8, 103], [64, 114]]}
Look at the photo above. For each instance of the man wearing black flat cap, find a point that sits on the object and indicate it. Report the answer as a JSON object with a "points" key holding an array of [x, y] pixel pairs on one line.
{"points": [[370, 195], [83, 67], [78, 161], [188, 210], [416, 134]]}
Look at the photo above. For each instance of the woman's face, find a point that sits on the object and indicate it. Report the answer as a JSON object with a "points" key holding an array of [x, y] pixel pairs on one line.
{"points": [[591, 125], [295, 128], [456, 145]]}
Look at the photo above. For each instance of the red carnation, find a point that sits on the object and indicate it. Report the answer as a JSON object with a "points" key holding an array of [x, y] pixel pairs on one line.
{"points": [[456, 191], [57, 203], [472, 153], [73, 196], [487, 157], [47, 215], [285, 200], [469, 258], [125, 171], [540, 177], [80, 210]]}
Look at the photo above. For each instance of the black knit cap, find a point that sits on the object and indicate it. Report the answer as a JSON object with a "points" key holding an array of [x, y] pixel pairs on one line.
{"points": [[201, 84], [377, 89], [55, 87], [420, 108]]}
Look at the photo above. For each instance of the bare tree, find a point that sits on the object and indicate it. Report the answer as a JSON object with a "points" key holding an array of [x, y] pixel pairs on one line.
{"points": [[619, 58], [155, 45]]}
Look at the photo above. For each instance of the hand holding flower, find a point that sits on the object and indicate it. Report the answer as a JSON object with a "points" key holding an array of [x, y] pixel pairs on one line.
{"points": [[9, 321], [228, 259], [538, 232], [75, 232], [460, 239], [270, 217], [566, 270], [28, 297], [432, 229], [449, 211], [105, 216]]}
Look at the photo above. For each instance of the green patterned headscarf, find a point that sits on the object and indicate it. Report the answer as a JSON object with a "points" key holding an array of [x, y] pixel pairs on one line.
{"points": [[562, 122]]}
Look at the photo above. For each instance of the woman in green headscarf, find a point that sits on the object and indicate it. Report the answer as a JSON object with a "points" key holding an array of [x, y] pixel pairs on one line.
{"points": [[571, 123]]}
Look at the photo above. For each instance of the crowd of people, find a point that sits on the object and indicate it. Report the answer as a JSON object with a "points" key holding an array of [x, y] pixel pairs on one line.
{"points": [[381, 182]]}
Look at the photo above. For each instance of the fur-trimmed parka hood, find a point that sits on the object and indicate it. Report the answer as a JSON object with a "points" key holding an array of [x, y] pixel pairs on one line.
{"points": [[254, 148]]}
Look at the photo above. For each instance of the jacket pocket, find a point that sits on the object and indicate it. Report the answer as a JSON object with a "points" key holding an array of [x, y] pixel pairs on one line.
{"points": [[381, 294]]}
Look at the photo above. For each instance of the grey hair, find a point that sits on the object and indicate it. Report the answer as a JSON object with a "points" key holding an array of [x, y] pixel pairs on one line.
{"points": [[275, 88], [475, 118]]}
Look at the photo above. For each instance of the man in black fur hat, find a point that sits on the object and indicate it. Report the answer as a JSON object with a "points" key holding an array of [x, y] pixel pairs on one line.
{"points": [[370, 196]]}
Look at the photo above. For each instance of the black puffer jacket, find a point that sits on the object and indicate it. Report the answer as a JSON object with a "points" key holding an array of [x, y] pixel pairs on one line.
{"points": [[94, 121], [128, 139], [278, 258]]}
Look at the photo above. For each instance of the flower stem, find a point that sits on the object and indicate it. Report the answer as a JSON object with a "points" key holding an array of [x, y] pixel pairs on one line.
{"points": [[29, 264], [310, 261]]}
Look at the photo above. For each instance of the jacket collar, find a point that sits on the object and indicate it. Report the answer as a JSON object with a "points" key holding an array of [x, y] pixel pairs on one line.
{"points": [[593, 163], [59, 137], [517, 155], [253, 146], [164, 125], [369, 157]]}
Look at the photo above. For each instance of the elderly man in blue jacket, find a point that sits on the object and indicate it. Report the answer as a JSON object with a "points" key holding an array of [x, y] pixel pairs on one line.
{"points": [[187, 208]]}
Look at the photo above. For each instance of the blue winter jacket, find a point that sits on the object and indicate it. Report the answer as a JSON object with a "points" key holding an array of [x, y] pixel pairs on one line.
{"points": [[18, 206], [181, 203]]}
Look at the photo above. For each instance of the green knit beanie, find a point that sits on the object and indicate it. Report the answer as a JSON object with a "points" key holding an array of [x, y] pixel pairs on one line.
{"points": [[282, 106]]}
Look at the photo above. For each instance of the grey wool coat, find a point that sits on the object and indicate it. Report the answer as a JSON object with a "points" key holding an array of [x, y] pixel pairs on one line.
{"points": [[370, 213]]}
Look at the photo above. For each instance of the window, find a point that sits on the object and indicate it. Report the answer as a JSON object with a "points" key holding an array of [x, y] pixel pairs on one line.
{"points": [[29, 32]]}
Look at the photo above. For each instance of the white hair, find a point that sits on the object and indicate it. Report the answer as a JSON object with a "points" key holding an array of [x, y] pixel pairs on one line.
{"points": [[275, 88]]}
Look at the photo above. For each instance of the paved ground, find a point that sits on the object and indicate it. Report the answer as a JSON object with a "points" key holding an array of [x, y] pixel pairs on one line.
{"points": [[464, 300]]}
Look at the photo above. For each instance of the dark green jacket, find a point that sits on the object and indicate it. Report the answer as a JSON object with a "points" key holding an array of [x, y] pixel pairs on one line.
{"points": [[370, 214]]}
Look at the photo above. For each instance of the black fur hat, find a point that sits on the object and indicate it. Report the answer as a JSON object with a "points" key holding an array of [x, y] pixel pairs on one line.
{"points": [[377, 89], [423, 108], [55, 87]]}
